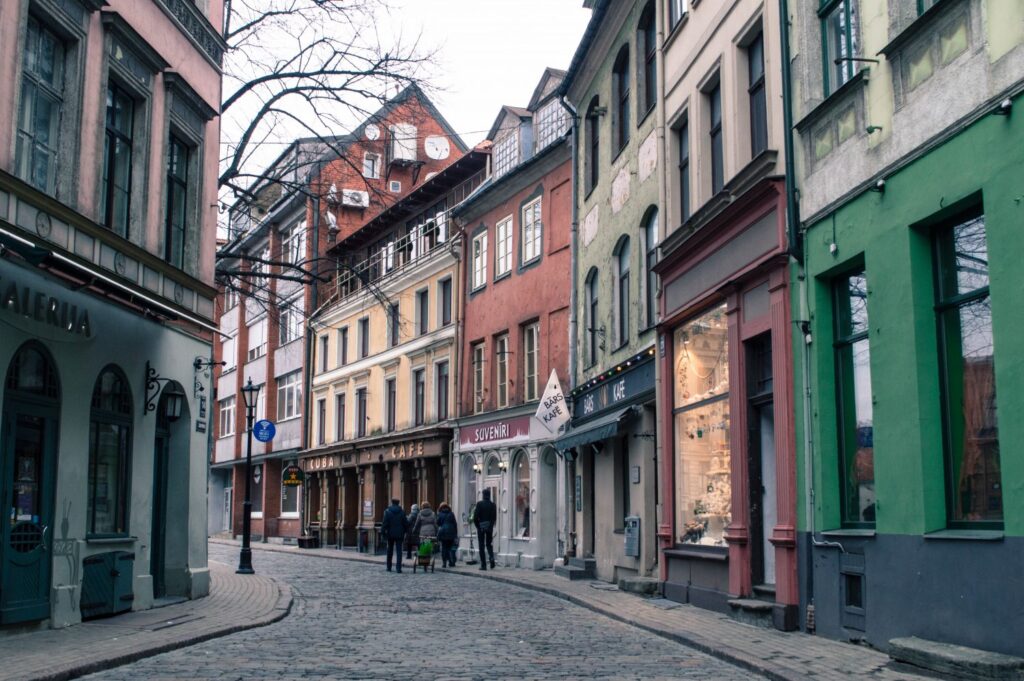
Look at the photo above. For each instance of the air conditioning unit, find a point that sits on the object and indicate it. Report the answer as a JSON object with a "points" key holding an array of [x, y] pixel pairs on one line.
{"points": [[355, 198]]}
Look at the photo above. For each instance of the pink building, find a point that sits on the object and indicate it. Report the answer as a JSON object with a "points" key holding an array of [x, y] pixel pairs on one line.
{"points": [[109, 143]]}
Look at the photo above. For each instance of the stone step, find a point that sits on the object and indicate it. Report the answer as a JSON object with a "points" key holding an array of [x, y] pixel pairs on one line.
{"points": [[572, 572], [585, 563], [646, 586], [959, 661], [765, 592], [751, 611]]}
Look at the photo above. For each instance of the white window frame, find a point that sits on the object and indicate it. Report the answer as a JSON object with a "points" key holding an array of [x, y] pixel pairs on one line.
{"points": [[531, 362], [479, 252], [289, 322], [229, 353], [230, 298], [260, 348], [531, 231], [293, 248], [505, 153], [371, 165], [226, 415], [503, 247], [479, 377], [289, 388], [551, 121], [501, 371], [677, 9]]}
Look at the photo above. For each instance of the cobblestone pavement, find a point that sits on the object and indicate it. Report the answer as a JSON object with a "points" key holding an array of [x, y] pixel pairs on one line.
{"points": [[352, 620]]}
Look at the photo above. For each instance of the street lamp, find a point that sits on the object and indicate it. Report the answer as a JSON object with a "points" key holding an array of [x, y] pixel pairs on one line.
{"points": [[250, 393]]}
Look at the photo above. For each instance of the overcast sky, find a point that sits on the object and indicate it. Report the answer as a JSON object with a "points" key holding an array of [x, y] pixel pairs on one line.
{"points": [[492, 52]]}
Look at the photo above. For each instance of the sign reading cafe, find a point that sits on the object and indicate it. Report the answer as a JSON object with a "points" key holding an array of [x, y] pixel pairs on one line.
{"points": [[623, 389], [26, 307]]}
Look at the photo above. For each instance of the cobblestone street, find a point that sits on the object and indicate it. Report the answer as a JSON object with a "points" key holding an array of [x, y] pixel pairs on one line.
{"points": [[356, 621]]}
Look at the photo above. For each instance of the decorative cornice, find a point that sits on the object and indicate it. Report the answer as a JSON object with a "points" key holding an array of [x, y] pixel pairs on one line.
{"points": [[194, 24]]}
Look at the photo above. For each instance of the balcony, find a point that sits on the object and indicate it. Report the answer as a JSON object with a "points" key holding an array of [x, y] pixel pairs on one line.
{"points": [[421, 244]]}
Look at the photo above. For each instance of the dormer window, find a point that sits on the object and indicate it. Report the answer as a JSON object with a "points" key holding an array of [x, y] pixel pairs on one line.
{"points": [[506, 152], [551, 122]]}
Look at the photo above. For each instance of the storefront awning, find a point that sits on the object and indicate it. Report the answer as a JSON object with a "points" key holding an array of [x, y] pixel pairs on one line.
{"points": [[594, 431]]}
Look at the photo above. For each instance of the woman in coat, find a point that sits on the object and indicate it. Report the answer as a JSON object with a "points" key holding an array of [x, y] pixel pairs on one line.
{"points": [[411, 540], [426, 523], [447, 533]]}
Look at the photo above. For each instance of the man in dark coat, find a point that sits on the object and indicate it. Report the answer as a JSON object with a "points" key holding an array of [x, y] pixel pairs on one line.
{"points": [[485, 516], [394, 526]]}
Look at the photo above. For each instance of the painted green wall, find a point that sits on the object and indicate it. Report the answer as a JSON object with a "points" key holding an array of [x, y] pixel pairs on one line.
{"points": [[888, 233]]}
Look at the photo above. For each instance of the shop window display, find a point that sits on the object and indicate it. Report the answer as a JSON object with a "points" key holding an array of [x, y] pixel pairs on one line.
{"points": [[522, 478], [703, 473]]}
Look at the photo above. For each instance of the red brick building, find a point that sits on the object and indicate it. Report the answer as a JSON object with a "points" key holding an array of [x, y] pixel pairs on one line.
{"points": [[516, 286]]}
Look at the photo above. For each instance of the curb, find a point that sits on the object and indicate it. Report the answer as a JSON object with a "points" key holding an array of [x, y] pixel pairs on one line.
{"points": [[728, 654], [280, 610]]}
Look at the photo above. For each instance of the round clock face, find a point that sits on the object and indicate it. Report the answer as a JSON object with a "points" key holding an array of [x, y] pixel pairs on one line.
{"points": [[372, 132], [437, 147]]}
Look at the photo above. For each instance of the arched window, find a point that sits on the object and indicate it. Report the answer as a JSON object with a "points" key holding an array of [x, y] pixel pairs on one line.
{"points": [[620, 85], [31, 373], [521, 480], [110, 438], [651, 259], [493, 468], [590, 317], [622, 257], [647, 50], [593, 147]]}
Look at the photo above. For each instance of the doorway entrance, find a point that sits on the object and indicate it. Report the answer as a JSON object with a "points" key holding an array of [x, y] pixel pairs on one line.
{"points": [[28, 459], [168, 558], [761, 448]]}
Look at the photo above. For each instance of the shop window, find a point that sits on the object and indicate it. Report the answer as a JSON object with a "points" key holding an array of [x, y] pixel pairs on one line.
{"points": [[493, 468], [290, 495], [839, 42], [701, 414], [442, 391], [651, 259], [110, 438], [521, 471], [966, 345], [853, 400], [620, 83], [257, 490]]}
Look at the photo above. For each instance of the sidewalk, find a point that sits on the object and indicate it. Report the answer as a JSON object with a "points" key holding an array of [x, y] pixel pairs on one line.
{"points": [[783, 656], [236, 602]]}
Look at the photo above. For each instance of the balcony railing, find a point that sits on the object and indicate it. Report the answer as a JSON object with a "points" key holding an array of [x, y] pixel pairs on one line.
{"points": [[393, 257]]}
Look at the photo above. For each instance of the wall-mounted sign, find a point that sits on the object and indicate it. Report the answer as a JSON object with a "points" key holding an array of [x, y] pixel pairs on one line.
{"points": [[292, 476], [200, 426], [41, 313], [368, 508], [320, 463], [505, 430], [616, 393], [264, 430]]}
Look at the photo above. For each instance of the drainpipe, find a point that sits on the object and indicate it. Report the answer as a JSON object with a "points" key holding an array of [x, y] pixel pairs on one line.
{"points": [[307, 368], [570, 467], [794, 245], [660, 503]]}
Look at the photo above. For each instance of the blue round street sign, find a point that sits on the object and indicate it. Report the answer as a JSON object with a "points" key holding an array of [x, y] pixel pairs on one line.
{"points": [[264, 430]]}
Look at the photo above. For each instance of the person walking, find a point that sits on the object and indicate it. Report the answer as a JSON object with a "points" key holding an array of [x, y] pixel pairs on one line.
{"points": [[411, 540], [485, 515], [426, 523], [394, 526], [447, 533]]}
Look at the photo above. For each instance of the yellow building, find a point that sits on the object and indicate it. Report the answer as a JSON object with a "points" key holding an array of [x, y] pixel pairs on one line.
{"points": [[385, 357]]}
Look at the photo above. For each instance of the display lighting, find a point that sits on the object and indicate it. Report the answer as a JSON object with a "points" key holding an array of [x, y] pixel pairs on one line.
{"points": [[612, 372]]}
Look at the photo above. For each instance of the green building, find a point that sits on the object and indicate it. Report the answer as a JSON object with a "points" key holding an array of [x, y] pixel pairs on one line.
{"points": [[909, 146]]}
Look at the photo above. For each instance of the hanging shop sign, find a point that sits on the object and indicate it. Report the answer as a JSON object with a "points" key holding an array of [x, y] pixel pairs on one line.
{"points": [[264, 430], [292, 476], [628, 384], [552, 412], [503, 430]]}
